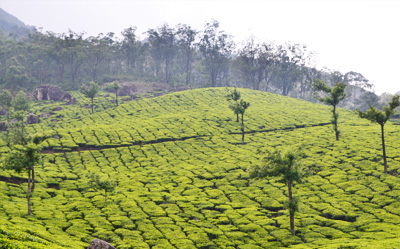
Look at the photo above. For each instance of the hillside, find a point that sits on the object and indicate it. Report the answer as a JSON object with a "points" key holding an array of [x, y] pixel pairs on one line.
{"points": [[182, 179], [11, 24]]}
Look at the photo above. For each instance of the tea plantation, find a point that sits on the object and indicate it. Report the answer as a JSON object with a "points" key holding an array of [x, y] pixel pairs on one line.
{"points": [[182, 182]]}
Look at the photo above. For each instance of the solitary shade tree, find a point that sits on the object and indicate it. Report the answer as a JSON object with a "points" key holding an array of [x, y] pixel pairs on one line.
{"points": [[234, 96], [105, 185], [380, 117], [333, 96], [114, 86], [90, 91], [242, 106], [23, 159], [284, 164]]}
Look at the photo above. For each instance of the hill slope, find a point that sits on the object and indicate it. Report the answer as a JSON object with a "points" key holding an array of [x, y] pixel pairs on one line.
{"points": [[182, 179], [11, 24]]}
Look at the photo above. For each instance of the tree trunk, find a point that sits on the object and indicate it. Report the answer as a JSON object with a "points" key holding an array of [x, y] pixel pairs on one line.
{"points": [[33, 180], [92, 105], [105, 195], [29, 193], [335, 126], [8, 128], [291, 212], [242, 130], [384, 149], [116, 97]]}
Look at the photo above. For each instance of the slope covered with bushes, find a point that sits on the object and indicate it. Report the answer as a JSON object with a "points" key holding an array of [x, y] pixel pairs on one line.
{"points": [[181, 176]]}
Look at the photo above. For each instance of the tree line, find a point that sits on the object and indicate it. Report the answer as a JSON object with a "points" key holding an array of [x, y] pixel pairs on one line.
{"points": [[179, 55]]}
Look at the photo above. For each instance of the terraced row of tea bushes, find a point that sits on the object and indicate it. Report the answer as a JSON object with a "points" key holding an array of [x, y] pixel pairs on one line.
{"points": [[196, 194], [201, 112]]}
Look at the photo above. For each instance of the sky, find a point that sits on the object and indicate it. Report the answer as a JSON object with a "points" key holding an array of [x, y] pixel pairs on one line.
{"points": [[353, 35]]}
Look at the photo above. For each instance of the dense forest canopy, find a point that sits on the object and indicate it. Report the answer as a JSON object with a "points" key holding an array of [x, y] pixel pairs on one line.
{"points": [[179, 55]]}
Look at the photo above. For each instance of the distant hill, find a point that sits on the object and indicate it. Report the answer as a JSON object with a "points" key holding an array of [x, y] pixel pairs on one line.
{"points": [[11, 24]]}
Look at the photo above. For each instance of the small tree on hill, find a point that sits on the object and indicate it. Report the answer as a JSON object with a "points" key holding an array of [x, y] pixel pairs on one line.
{"points": [[381, 117], [334, 96], [23, 158], [242, 106], [105, 185], [114, 86], [284, 164], [90, 91], [234, 96]]}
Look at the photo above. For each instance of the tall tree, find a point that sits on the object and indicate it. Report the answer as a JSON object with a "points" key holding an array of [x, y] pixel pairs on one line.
{"points": [[334, 96], [131, 47], [186, 40], [6, 103], [291, 58], [90, 92], [216, 47], [381, 117], [286, 165], [163, 45], [254, 62], [15, 76]]}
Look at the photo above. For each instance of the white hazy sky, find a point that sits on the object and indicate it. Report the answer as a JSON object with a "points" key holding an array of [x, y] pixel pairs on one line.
{"points": [[361, 36]]}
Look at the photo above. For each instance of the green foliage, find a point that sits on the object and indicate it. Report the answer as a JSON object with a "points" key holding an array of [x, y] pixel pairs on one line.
{"points": [[334, 96], [20, 102], [90, 91], [99, 184], [185, 185], [5, 99], [381, 117]]}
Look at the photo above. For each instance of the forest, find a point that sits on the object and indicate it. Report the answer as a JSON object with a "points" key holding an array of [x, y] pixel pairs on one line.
{"points": [[177, 56]]}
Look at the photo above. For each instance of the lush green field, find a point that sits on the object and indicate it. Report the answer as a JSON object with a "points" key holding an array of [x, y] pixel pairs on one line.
{"points": [[183, 182]]}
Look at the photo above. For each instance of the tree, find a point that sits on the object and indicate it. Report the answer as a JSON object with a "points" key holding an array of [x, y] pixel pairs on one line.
{"points": [[381, 117], [90, 91], [234, 96], [216, 47], [23, 159], [163, 44], [186, 40], [243, 105], [131, 47], [114, 86], [284, 164], [291, 58], [20, 106], [15, 76], [6, 103], [334, 96], [105, 185]]}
